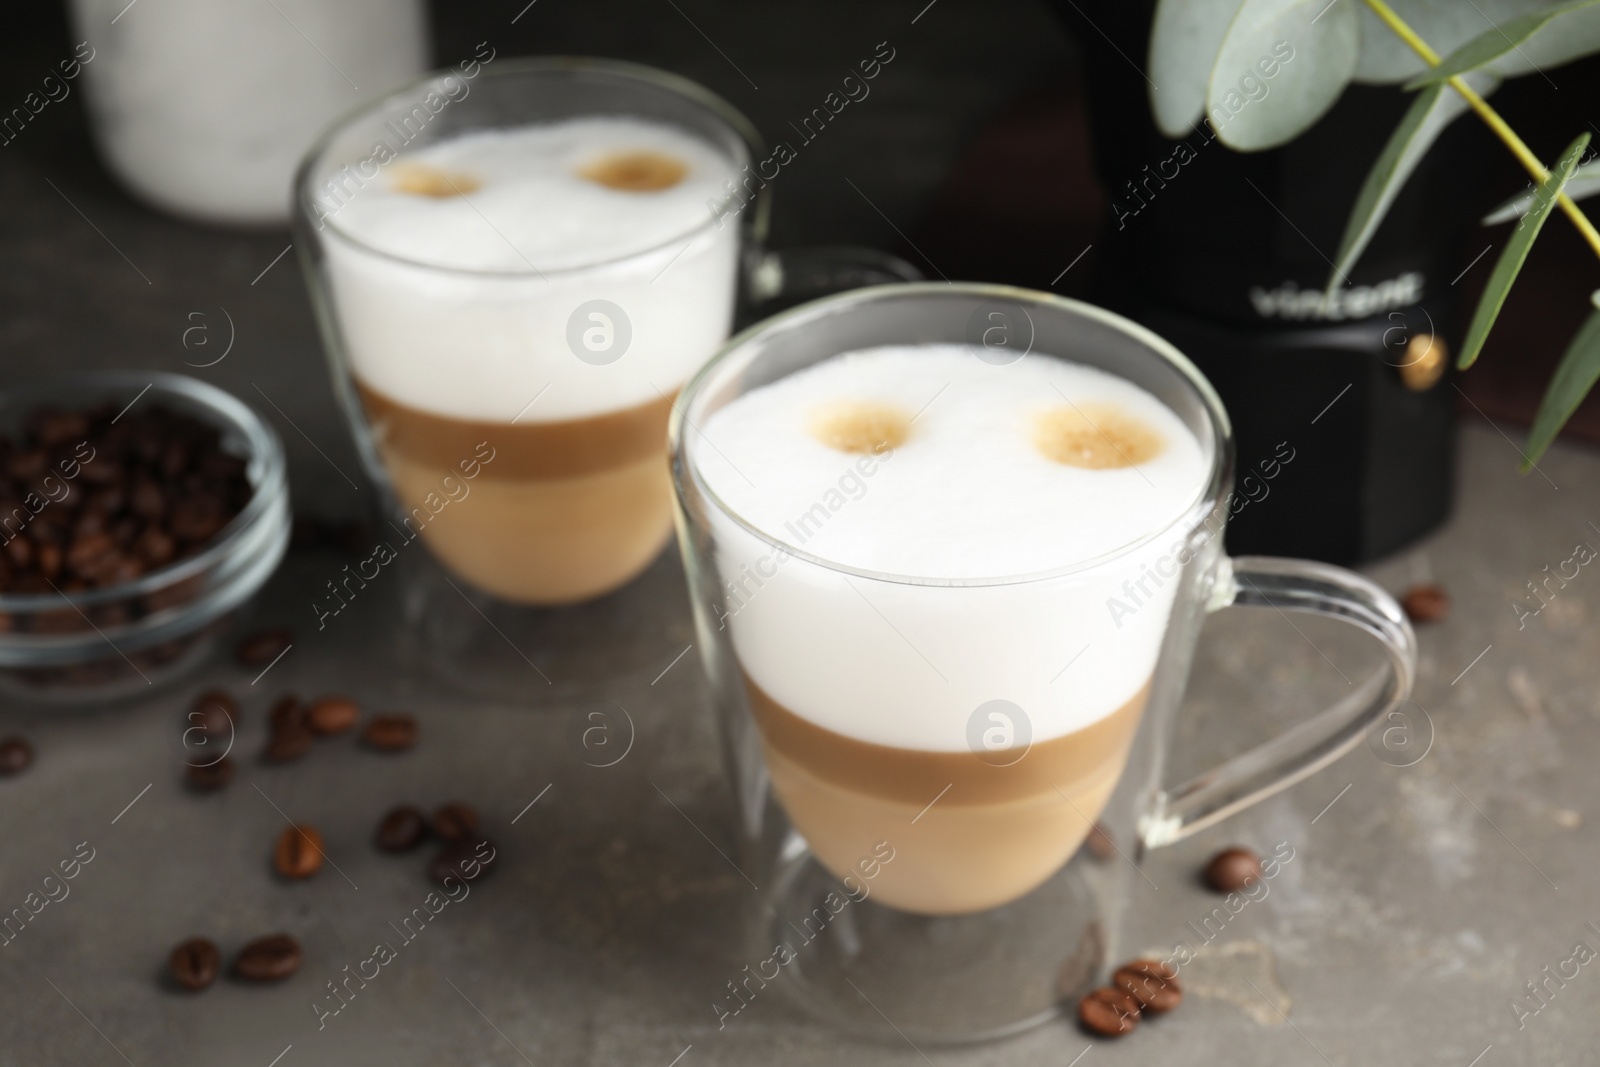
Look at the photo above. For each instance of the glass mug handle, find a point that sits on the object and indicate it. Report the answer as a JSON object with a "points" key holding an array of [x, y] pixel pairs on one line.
{"points": [[1291, 585], [775, 280]]}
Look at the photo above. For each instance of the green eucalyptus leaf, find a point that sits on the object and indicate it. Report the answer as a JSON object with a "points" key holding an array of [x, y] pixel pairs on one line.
{"points": [[1573, 379], [1585, 181], [1184, 39], [1526, 43], [1445, 24], [1516, 251], [1311, 46], [1434, 108]]}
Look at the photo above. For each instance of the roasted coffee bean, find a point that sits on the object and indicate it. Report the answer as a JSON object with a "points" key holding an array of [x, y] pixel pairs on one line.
{"points": [[287, 711], [28, 466], [1152, 983], [146, 500], [215, 714], [402, 829], [194, 964], [51, 427], [20, 549], [1108, 1012], [298, 853], [463, 860], [88, 554], [49, 559], [1233, 869], [209, 777], [455, 821], [333, 715], [268, 959], [390, 733], [289, 742], [1426, 603], [1099, 843], [16, 755], [263, 646], [197, 519], [155, 547]]}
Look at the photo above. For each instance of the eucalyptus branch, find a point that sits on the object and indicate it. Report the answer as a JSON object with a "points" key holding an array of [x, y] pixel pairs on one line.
{"points": [[1490, 117]]}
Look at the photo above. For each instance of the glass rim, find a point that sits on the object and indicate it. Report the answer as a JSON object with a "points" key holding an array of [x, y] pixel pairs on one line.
{"points": [[1193, 515], [741, 127]]}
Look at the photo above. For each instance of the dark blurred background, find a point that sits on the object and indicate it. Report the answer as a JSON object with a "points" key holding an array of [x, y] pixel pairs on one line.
{"points": [[971, 158]]}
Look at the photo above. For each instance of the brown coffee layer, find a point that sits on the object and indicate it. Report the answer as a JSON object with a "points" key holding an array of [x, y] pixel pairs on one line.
{"points": [[544, 541], [914, 775], [523, 451]]}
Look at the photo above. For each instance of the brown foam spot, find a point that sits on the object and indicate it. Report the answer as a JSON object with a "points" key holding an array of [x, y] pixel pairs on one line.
{"points": [[419, 179], [635, 172], [864, 426], [1094, 436]]}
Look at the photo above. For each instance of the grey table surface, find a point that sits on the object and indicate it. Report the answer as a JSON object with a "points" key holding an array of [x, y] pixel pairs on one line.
{"points": [[1420, 902], [1417, 906]]}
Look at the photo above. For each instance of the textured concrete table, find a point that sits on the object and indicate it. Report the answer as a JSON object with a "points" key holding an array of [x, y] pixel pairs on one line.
{"points": [[1421, 901]]}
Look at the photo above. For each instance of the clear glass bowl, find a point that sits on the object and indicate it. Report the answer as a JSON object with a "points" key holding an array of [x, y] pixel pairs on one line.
{"points": [[126, 638]]}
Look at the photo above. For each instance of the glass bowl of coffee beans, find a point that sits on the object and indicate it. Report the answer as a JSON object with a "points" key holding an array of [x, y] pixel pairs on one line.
{"points": [[138, 511]]}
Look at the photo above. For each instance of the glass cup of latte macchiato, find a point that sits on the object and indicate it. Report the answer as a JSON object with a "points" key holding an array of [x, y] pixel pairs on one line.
{"points": [[949, 549], [517, 264]]}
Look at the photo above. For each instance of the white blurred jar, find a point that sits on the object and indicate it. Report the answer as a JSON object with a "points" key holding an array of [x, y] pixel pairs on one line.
{"points": [[204, 107]]}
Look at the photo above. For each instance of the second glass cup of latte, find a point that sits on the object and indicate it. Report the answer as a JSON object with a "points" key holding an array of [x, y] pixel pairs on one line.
{"points": [[949, 549], [517, 264]]}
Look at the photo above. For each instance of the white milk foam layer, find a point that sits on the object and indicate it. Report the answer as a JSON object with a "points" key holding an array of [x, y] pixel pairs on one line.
{"points": [[424, 329], [965, 496]]}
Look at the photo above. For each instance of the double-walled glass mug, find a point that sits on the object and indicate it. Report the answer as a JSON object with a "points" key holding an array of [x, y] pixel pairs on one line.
{"points": [[925, 885], [517, 413]]}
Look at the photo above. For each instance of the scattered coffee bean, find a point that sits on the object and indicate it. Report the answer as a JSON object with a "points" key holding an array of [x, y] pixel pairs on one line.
{"points": [[194, 964], [464, 860], [210, 777], [1426, 603], [455, 821], [1233, 869], [1152, 983], [402, 829], [263, 646], [1108, 1012], [16, 755], [268, 959], [289, 742], [215, 714], [390, 733], [333, 715], [1099, 843], [287, 711], [298, 853]]}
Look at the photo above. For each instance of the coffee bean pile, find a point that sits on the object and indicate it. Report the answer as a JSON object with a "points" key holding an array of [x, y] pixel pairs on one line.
{"points": [[87, 502], [1138, 988]]}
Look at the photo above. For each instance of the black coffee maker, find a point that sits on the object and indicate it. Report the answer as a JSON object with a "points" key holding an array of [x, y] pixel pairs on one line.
{"points": [[1227, 254]]}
